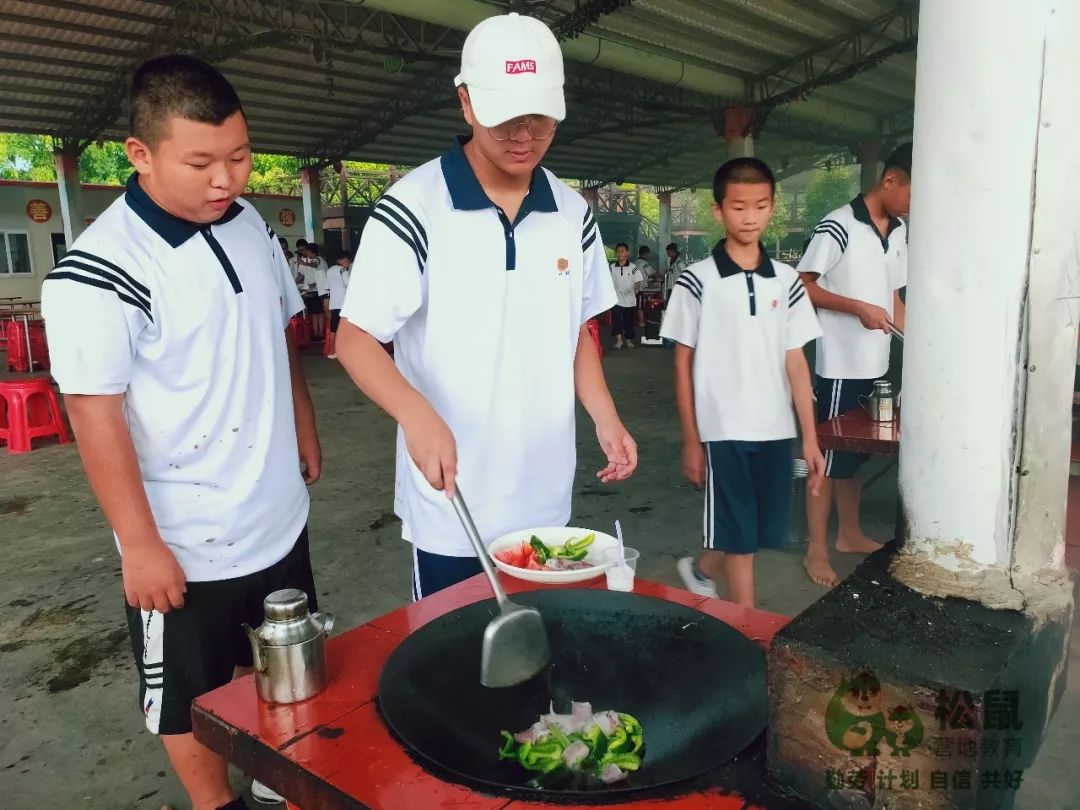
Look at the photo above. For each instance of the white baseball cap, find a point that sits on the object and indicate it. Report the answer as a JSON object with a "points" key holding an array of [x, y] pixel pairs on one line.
{"points": [[512, 66]]}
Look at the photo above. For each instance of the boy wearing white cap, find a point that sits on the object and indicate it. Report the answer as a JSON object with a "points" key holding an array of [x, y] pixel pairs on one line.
{"points": [[479, 394]]}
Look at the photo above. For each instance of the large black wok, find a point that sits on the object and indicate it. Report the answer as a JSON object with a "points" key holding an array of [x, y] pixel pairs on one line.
{"points": [[696, 684]]}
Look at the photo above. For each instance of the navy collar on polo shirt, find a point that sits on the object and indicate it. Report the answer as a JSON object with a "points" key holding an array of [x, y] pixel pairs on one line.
{"points": [[169, 227], [467, 194], [862, 214], [727, 267]]}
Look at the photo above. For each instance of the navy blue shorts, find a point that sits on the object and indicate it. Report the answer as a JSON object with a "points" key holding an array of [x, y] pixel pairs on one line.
{"points": [[747, 495], [832, 398], [433, 572]]}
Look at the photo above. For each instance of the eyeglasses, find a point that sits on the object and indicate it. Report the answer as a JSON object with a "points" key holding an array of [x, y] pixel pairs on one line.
{"points": [[539, 127]]}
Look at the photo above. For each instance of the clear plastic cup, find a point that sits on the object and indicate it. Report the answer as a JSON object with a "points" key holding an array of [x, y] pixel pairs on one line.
{"points": [[620, 575]]}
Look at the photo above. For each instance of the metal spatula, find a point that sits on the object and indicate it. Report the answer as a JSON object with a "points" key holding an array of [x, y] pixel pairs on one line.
{"points": [[515, 642]]}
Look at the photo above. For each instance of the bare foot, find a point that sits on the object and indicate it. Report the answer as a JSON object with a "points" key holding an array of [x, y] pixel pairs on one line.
{"points": [[860, 544], [820, 571]]}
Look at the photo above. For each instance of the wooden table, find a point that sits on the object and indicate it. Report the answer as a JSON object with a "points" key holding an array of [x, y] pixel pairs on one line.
{"points": [[333, 751], [856, 432]]}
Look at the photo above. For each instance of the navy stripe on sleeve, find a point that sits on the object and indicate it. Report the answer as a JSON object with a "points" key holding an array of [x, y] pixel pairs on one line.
{"points": [[115, 268], [120, 284], [422, 240], [692, 281], [379, 216], [406, 227], [835, 230], [692, 290], [101, 284]]}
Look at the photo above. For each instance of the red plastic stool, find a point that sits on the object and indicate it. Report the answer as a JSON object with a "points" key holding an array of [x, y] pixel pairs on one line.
{"points": [[299, 331], [29, 410]]}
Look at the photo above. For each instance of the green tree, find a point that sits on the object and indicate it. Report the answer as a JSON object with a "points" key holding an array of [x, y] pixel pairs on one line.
{"points": [[714, 231], [827, 190], [26, 157]]}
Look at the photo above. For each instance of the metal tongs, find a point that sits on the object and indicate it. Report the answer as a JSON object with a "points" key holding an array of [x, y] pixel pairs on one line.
{"points": [[896, 333]]}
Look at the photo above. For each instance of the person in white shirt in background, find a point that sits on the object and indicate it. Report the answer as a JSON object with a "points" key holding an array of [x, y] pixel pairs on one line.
{"points": [[337, 282], [628, 280], [314, 270], [290, 257], [676, 265]]}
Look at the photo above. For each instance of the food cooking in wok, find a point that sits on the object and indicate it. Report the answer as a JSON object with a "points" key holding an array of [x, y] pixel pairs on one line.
{"points": [[582, 745]]}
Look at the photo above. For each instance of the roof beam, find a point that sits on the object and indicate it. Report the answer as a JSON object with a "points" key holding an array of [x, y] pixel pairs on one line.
{"points": [[96, 10]]}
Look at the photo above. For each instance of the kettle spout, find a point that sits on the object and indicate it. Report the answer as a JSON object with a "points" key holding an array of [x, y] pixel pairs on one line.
{"points": [[258, 659], [325, 620]]}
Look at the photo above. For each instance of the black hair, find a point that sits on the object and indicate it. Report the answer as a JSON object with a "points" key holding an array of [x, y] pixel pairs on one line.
{"points": [[623, 245], [741, 170], [301, 243], [899, 158], [672, 246], [177, 86], [338, 255], [313, 247], [643, 251], [283, 241]]}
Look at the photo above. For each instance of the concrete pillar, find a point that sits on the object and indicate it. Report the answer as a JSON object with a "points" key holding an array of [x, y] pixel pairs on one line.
{"points": [[870, 157], [343, 185], [70, 188], [312, 196], [664, 228], [738, 133], [991, 326]]}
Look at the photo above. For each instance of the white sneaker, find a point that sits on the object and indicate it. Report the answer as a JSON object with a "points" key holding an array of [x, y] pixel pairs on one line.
{"points": [[264, 795], [629, 344], [331, 357], [688, 573]]}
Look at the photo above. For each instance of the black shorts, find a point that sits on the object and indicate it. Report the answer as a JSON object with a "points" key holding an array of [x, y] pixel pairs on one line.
{"points": [[313, 304], [832, 398], [335, 319], [747, 495], [185, 653]]}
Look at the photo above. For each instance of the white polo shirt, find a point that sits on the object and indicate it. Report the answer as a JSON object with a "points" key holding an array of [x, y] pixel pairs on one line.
{"points": [[460, 290], [188, 322], [853, 259], [337, 281], [741, 326], [624, 279]]}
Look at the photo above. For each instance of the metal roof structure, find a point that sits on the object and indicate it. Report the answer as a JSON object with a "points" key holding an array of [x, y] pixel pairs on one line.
{"points": [[648, 81]]}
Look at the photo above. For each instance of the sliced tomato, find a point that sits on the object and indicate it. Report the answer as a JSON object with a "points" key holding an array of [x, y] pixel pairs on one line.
{"points": [[535, 566]]}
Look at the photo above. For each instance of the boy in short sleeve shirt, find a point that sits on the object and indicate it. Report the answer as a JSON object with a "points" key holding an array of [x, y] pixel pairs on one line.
{"points": [[456, 263], [167, 324], [854, 267], [739, 321]]}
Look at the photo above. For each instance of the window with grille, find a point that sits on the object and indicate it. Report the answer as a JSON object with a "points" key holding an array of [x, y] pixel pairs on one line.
{"points": [[14, 253]]}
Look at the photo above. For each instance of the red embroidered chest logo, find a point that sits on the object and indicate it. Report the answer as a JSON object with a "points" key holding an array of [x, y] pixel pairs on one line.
{"points": [[515, 66]]}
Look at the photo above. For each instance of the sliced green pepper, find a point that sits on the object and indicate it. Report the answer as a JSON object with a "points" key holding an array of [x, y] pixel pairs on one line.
{"points": [[575, 545], [619, 742], [543, 756], [634, 732], [626, 762], [507, 751], [543, 553], [557, 735]]}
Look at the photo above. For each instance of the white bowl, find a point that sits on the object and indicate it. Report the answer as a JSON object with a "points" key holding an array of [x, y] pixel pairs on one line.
{"points": [[554, 536]]}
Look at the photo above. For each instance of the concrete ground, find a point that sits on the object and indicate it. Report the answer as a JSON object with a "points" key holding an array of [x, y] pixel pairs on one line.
{"points": [[72, 734]]}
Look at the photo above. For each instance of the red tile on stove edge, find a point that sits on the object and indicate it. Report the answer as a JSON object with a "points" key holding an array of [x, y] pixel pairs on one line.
{"points": [[757, 625], [363, 761]]}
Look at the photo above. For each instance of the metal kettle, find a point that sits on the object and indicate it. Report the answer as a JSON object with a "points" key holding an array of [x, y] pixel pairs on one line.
{"points": [[289, 648], [881, 403]]}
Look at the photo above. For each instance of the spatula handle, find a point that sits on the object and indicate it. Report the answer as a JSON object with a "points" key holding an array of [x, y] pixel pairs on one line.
{"points": [[478, 545]]}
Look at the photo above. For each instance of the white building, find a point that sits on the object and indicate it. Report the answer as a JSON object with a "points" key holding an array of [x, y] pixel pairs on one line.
{"points": [[32, 229]]}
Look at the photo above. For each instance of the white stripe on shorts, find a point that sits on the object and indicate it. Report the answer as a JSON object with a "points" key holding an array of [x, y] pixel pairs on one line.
{"points": [[152, 664], [710, 523], [834, 407], [417, 591]]}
